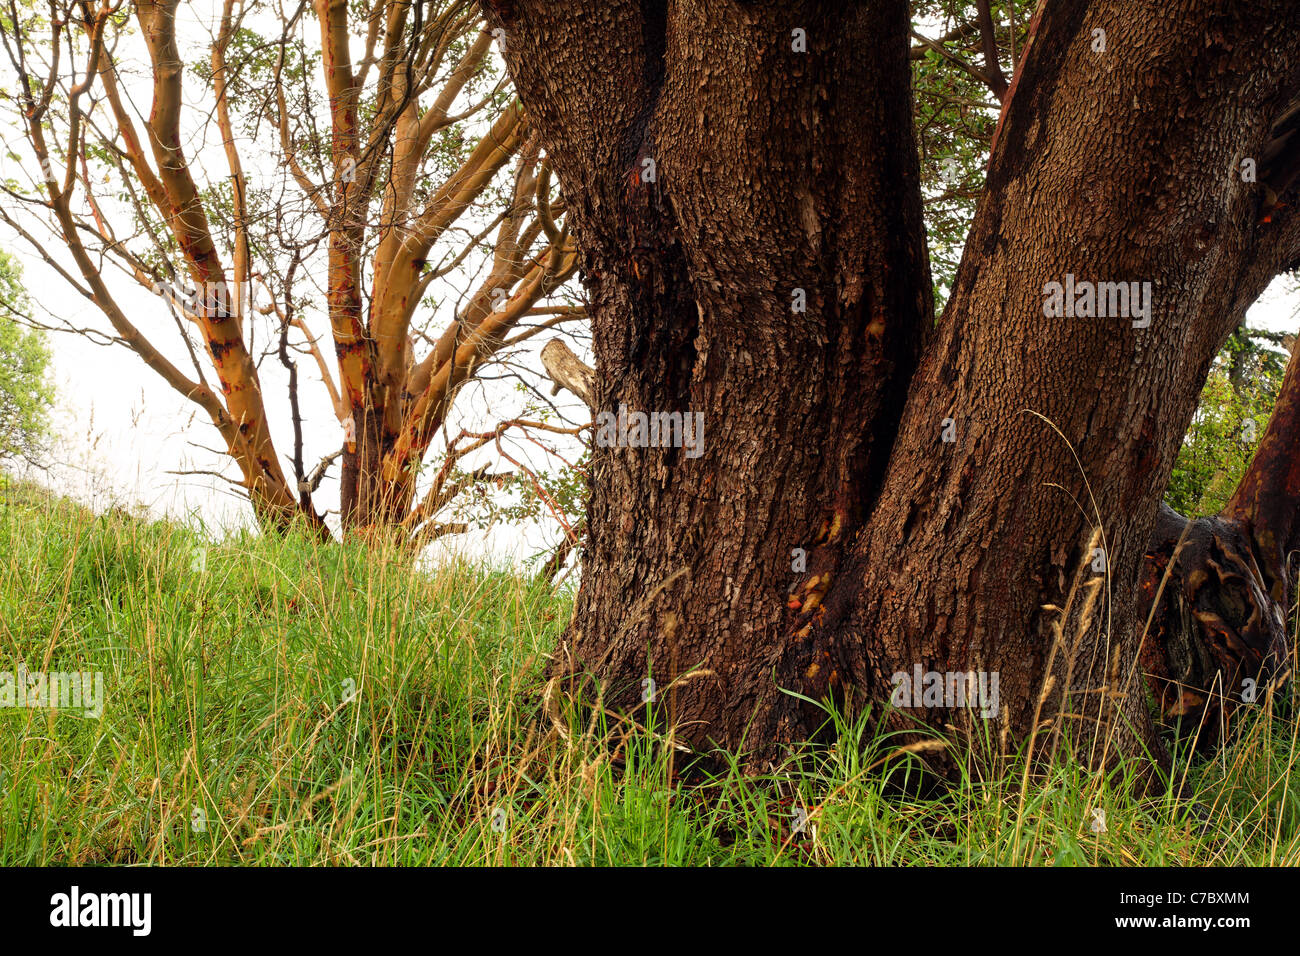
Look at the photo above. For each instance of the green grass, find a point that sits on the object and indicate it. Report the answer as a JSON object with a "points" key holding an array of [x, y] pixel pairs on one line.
{"points": [[230, 733]]}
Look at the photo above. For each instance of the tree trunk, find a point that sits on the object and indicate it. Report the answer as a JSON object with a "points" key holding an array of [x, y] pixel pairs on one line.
{"points": [[753, 256], [366, 497], [777, 171], [1016, 549], [1218, 636]]}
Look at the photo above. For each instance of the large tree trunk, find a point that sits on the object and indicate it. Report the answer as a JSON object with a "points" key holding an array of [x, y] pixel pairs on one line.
{"points": [[780, 181], [1016, 549], [778, 170]]}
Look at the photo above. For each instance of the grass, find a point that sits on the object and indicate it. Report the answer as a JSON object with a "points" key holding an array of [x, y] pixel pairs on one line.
{"points": [[280, 701]]}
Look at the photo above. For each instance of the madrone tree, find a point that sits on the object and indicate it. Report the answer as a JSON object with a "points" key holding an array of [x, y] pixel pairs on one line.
{"points": [[881, 491], [361, 163]]}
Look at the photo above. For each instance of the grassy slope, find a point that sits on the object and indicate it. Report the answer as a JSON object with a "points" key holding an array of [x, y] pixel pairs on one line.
{"points": [[227, 671]]}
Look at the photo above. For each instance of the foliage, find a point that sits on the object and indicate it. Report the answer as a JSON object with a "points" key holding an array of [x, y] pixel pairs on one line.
{"points": [[1235, 406], [557, 494], [25, 390], [955, 116]]}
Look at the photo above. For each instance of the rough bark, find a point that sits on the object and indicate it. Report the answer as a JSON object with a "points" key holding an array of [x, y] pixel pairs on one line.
{"points": [[778, 170], [1114, 166], [779, 176]]}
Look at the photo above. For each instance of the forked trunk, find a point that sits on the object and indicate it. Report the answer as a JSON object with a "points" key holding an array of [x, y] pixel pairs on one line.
{"points": [[983, 512]]}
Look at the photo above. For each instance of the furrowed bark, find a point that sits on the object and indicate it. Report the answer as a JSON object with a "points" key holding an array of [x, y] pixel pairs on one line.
{"points": [[1116, 160], [1217, 591], [1016, 548], [750, 226]]}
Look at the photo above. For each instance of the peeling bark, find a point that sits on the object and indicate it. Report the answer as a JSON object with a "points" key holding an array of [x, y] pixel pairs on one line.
{"points": [[416, 61]]}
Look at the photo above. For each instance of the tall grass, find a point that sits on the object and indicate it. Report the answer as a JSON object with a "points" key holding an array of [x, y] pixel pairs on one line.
{"points": [[283, 701]]}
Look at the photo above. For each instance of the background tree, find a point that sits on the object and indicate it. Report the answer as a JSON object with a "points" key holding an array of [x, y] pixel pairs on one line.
{"points": [[1233, 411], [784, 162], [25, 390], [357, 166]]}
